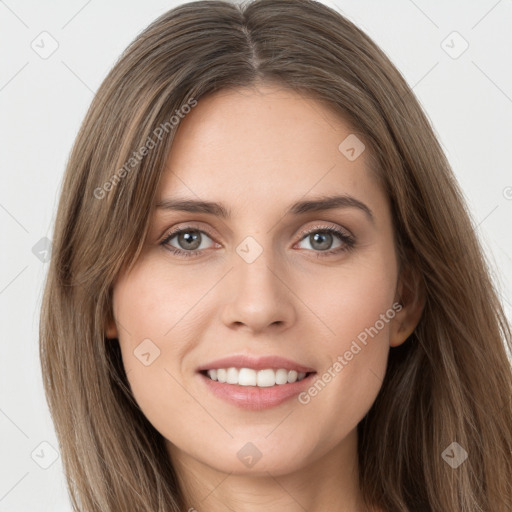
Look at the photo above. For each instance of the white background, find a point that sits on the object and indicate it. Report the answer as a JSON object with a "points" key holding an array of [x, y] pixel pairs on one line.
{"points": [[43, 101]]}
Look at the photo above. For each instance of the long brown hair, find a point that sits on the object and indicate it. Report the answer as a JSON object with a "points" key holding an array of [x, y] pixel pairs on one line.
{"points": [[450, 382]]}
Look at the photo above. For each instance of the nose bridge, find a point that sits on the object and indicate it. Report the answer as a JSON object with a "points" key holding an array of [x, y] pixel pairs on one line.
{"points": [[260, 296], [255, 267]]}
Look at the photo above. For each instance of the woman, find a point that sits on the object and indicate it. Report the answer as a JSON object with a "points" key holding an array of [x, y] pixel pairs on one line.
{"points": [[265, 287]]}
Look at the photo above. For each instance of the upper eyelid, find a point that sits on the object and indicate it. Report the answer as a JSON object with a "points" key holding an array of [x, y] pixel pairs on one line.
{"points": [[173, 232]]}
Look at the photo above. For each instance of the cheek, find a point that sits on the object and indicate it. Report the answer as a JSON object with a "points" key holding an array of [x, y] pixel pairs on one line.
{"points": [[356, 311], [353, 297], [154, 302], [152, 308]]}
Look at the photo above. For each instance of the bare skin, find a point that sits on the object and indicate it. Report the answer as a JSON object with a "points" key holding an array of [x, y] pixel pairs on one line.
{"points": [[257, 151]]}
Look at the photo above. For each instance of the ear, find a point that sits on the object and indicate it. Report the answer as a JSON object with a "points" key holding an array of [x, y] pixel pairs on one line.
{"points": [[110, 326], [410, 293]]}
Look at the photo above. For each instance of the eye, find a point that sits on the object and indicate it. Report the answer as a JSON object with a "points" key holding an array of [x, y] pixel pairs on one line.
{"points": [[321, 239], [189, 239]]}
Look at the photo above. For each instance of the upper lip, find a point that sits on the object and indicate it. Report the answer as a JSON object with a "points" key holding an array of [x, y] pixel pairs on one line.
{"points": [[257, 363]]}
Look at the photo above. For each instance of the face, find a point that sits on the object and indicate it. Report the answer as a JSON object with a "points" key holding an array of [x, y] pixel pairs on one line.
{"points": [[318, 287]]}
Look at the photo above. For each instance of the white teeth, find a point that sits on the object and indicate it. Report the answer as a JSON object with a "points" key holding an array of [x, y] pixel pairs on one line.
{"points": [[281, 376], [245, 377], [265, 378], [250, 377], [292, 376]]}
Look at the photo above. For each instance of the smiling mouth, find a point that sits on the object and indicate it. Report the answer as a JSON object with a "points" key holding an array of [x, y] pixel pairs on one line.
{"points": [[255, 378]]}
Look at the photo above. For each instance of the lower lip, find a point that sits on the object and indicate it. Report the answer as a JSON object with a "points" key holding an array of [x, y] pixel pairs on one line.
{"points": [[253, 397]]}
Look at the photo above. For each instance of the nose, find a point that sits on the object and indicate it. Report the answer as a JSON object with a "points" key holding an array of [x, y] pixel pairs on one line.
{"points": [[259, 296]]}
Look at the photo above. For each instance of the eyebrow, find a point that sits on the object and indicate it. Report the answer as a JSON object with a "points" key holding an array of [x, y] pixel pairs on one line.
{"points": [[315, 204]]}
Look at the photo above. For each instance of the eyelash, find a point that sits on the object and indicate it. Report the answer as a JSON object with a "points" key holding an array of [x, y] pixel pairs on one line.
{"points": [[348, 240]]}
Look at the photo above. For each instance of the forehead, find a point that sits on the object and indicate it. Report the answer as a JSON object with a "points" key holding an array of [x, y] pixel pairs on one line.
{"points": [[269, 146]]}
